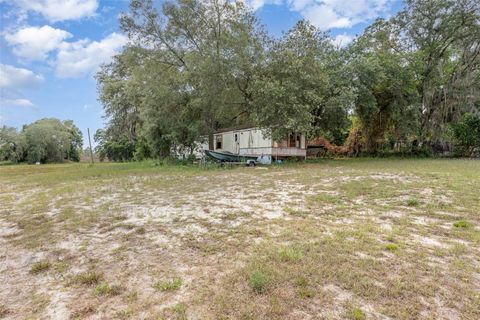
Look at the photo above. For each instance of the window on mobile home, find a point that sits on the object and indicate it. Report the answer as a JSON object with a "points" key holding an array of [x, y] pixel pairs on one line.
{"points": [[218, 144]]}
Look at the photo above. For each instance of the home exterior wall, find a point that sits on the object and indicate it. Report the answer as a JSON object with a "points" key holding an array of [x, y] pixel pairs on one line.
{"points": [[252, 142]]}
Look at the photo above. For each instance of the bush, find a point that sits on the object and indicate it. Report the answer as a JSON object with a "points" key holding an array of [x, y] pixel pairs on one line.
{"points": [[466, 135], [259, 281]]}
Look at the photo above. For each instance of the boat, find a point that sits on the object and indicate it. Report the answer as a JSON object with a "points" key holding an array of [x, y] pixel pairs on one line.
{"points": [[226, 156]]}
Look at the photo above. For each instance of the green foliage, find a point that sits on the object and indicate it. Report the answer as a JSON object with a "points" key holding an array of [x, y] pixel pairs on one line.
{"points": [[193, 67], [387, 100], [104, 289], [45, 140], [290, 254], [170, 285], [391, 247], [356, 314], [462, 224], [114, 150], [303, 87], [12, 146], [259, 281], [413, 202], [466, 134], [195, 81], [40, 266], [446, 61], [87, 278]]}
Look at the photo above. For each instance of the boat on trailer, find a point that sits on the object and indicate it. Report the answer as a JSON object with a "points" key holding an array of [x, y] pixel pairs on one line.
{"points": [[226, 156]]}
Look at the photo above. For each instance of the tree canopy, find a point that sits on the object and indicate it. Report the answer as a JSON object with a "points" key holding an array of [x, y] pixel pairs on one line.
{"points": [[45, 140], [193, 67]]}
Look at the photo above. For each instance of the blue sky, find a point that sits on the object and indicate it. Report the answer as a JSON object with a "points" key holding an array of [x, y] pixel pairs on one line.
{"points": [[50, 49]]}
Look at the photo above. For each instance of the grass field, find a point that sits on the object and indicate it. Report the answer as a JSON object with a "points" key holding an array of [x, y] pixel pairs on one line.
{"points": [[343, 239]]}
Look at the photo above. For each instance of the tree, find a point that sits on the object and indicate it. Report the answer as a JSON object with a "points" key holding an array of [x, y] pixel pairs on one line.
{"points": [[303, 87], [12, 146], [113, 149], [444, 36], [466, 135], [386, 97], [50, 140], [200, 59]]}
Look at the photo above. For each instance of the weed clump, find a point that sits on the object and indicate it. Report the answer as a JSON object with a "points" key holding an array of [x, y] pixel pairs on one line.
{"points": [[356, 314], [259, 281], [413, 202], [104, 289], [462, 224], [391, 247], [40, 266], [170, 285], [88, 278], [290, 254], [303, 290]]}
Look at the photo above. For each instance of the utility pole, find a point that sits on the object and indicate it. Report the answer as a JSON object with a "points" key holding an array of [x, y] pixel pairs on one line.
{"points": [[90, 143]]}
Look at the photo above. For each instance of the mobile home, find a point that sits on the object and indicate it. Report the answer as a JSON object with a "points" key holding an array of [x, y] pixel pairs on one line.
{"points": [[252, 141]]}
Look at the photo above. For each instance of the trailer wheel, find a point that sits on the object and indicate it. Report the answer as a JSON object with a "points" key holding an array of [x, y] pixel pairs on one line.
{"points": [[251, 164]]}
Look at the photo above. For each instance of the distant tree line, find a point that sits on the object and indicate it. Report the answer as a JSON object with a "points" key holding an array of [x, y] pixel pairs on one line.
{"points": [[44, 141], [408, 84]]}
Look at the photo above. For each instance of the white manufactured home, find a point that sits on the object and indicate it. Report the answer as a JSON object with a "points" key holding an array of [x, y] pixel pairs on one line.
{"points": [[254, 142]]}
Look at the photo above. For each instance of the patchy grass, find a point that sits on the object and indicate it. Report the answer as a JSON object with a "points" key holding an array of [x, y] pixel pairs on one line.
{"points": [[88, 278], [104, 289], [259, 281], [40, 266], [169, 285], [356, 314], [462, 224], [391, 247], [340, 239], [413, 202]]}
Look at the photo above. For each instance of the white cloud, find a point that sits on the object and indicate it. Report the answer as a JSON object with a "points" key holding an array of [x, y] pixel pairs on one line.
{"points": [[76, 59], [342, 40], [331, 14], [58, 10], [25, 103], [14, 79], [297, 5], [325, 17], [257, 4], [34, 43]]}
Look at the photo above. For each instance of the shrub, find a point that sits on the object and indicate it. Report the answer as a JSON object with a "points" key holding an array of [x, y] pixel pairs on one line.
{"points": [[259, 281], [466, 134]]}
